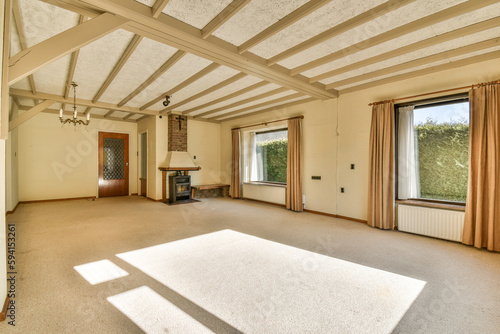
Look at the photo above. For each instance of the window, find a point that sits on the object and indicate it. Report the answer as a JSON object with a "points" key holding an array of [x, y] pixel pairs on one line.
{"points": [[433, 150], [268, 156]]}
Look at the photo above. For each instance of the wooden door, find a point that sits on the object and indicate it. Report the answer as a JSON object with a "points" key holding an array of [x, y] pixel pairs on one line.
{"points": [[113, 164]]}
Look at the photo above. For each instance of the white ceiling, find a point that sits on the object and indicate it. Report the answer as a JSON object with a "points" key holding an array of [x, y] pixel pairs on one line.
{"points": [[270, 61]]}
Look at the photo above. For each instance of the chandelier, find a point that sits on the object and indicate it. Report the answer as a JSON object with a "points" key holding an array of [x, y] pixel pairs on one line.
{"points": [[73, 120]]}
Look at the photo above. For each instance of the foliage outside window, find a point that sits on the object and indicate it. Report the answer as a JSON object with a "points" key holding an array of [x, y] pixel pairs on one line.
{"points": [[440, 150], [270, 159]]}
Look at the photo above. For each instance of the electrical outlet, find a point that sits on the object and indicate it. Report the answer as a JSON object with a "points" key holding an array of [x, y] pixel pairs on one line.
{"points": [[316, 177], [352, 166], [194, 158], [342, 189]]}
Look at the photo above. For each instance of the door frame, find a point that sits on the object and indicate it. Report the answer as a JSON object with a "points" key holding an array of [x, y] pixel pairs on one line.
{"points": [[139, 158], [127, 176]]}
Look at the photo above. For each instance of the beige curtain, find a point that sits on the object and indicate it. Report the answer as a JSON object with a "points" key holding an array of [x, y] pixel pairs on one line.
{"points": [[482, 211], [294, 166], [235, 170], [381, 164]]}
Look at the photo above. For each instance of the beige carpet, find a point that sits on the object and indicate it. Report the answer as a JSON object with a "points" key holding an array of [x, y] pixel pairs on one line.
{"points": [[99, 267], [260, 286]]}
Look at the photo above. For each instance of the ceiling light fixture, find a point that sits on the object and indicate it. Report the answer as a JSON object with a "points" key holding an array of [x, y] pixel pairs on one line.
{"points": [[73, 120], [167, 101]]}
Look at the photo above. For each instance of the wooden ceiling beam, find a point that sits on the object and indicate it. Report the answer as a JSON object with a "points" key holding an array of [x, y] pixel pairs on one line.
{"points": [[281, 106], [159, 72], [16, 101], [80, 102], [141, 118], [13, 107], [92, 117], [16, 13], [134, 43], [419, 62], [288, 20], [445, 14], [109, 113], [179, 35], [127, 116], [210, 68], [4, 74], [212, 89], [241, 102], [30, 60], [430, 70], [87, 111], [228, 12], [352, 23], [227, 97], [256, 106], [158, 7], [27, 115], [76, 7], [72, 67], [467, 30]]}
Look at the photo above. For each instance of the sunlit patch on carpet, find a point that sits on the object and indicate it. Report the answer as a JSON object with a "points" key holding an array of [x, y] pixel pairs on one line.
{"points": [[260, 286]]}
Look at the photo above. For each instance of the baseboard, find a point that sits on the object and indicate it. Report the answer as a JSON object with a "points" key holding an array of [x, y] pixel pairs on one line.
{"points": [[157, 200], [321, 213], [336, 216], [264, 202], [3, 315], [13, 210], [56, 200], [352, 219], [309, 211], [134, 194]]}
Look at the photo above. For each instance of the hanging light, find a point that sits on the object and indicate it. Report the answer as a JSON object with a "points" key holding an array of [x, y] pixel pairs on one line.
{"points": [[73, 120]]}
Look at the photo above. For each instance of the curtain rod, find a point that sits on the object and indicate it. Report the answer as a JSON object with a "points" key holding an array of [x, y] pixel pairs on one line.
{"points": [[266, 123], [441, 91]]}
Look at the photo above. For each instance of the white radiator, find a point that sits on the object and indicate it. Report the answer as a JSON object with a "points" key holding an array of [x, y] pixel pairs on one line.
{"points": [[443, 224]]}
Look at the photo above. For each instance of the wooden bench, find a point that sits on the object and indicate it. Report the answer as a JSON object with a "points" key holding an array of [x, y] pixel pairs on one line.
{"points": [[224, 188]]}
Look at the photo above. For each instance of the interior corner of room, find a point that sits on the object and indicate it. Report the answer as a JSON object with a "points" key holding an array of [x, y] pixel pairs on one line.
{"points": [[108, 98]]}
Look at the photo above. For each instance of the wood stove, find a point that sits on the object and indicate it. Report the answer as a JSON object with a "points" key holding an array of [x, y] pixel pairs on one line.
{"points": [[179, 188], [179, 161]]}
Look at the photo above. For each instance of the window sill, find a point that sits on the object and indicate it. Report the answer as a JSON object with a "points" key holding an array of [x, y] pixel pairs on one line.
{"points": [[454, 207], [266, 184]]}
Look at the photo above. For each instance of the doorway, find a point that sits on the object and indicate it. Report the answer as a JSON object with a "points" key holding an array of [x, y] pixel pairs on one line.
{"points": [[113, 164], [144, 163]]}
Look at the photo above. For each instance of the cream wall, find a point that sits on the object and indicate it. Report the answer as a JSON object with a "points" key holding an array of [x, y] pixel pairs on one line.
{"points": [[204, 143], [12, 168], [161, 152], [149, 125], [3, 245], [3, 249], [355, 120], [319, 152], [61, 162], [322, 141]]}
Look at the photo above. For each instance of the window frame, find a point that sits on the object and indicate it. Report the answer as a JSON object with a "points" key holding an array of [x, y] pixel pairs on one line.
{"points": [[270, 183], [444, 100]]}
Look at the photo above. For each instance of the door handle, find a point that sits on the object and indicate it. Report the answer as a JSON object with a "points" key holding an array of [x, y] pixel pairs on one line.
{"points": [[126, 164]]}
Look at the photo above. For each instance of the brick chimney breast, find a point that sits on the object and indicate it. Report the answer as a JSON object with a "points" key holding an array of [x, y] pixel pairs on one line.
{"points": [[177, 138]]}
